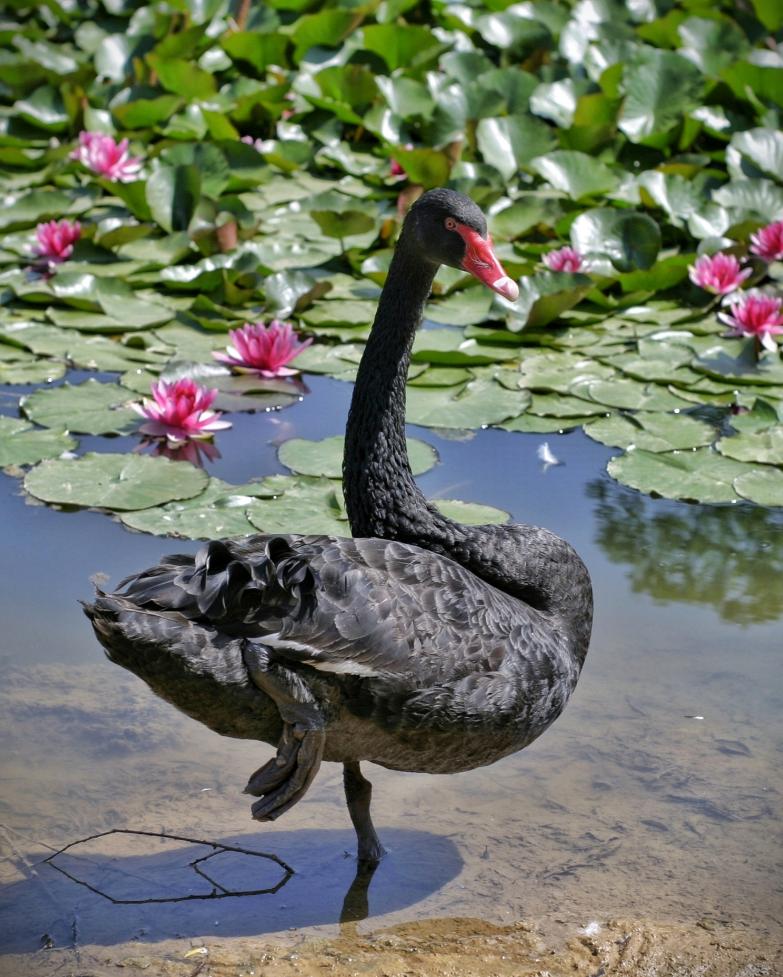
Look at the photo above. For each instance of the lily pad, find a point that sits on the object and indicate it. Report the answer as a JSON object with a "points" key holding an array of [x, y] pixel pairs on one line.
{"points": [[697, 476], [30, 370], [215, 513], [87, 408], [763, 486], [22, 444], [651, 431], [325, 458], [301, 505], [477, 404], [114, 481], [471, 513], [633, 395], [765, 447]]}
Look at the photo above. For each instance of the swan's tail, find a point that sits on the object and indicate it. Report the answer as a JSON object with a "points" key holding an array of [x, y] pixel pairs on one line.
{"points": [[181, 625], [228, 587]]}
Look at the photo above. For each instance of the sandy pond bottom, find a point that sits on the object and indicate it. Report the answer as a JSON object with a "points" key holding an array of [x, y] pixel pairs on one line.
{"points": [[644, 849]]}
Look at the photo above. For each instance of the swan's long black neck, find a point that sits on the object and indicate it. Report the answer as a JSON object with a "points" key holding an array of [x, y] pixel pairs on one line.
{"points": [[383, 499]]}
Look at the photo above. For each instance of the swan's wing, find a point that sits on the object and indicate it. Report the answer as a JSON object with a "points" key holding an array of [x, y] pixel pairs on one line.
{"points": [[365, 607], [386, 608]]}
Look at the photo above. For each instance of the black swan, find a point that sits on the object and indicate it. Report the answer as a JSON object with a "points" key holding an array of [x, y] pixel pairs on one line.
{"points": [[419, 644]]}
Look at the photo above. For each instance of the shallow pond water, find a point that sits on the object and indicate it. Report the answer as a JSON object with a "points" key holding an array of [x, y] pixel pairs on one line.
{"points": [[654, 797]]}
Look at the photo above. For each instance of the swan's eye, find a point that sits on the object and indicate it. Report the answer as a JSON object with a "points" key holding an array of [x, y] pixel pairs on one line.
{"points": [[451, 224]]}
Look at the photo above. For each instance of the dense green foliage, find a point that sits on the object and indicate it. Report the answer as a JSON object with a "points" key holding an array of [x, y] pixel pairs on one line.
{"points": [[642, 134]]}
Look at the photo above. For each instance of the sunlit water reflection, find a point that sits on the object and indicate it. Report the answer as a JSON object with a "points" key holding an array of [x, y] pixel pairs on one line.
{"points": [[654, 795]]}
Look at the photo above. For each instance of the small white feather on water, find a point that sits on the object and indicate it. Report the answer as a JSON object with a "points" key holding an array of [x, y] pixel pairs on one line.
{"points": [[592, 929], [546, 456]]}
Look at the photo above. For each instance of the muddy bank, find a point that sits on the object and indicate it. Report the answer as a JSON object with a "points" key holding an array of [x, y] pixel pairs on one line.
{"points": [[437, 948]]}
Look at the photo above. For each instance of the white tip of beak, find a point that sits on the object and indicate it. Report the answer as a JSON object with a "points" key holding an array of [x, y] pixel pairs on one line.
{"points": [[507, 287]]}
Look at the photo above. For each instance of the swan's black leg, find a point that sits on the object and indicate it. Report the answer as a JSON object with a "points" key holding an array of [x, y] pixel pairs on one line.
{"points": [[358, 793], [282, 781]]}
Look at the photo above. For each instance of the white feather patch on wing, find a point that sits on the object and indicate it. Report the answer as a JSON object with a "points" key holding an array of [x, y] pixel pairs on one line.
{"points": [[343, 667]]}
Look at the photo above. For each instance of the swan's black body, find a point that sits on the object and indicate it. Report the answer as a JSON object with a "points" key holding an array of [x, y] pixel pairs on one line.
{"points": [[420, 644]]}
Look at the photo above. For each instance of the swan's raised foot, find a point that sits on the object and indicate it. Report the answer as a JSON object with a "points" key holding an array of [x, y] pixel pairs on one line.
{"points": [[284, 780]]}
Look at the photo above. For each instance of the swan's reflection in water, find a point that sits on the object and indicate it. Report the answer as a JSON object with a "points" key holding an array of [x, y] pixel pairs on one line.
{"points": [[109, 907], [729, 557]]}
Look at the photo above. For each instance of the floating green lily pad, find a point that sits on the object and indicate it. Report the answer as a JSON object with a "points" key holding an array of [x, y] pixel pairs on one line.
{"points": [[302, 505], [22, 444], [114, 481], [477, 404], [765, 447], [87, 408], [471, 513], [215, 513], [651, 431], [696, 476], [763, 486], [325, 458], [31, 370]]}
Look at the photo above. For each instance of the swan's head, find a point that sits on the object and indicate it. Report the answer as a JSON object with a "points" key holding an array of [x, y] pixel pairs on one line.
{"points": [[449, 229]]}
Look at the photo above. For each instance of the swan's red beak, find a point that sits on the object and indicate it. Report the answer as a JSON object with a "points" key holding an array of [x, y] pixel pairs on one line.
{"points": [[481, 262]]}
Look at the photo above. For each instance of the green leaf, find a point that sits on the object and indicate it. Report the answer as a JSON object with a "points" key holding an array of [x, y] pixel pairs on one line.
{"points": [[697, 476], [87, 408], [141, 113], [529, 211], [712, 43], [576, 174], [478, 404], [755, 81], [765, 447], [114, 481], [544, 296], [660, 87], [259, 51], [210, 162], [44, 108], [402, 45], [510, 143], [764, 486], [183, 77], [22, 444], [38, 205], [216, 513], [471, 513], [630, 394], [302, 505], [770, 13], [763, 147], [324, 29], [629, 239], [651, 432], [172, 194], [325, 458], [428, 167], [25, 371], [342, 225]]}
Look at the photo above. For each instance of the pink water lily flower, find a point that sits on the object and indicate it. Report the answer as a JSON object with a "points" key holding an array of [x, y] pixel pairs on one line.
{"points": [[718, 273], [263, 350], [55, 240], [767, 242], [103, 155], [564, 259], [756, 315], [180, 411], [257, 144]]}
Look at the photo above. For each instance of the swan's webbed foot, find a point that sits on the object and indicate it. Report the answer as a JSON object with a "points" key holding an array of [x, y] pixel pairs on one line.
{"points": [[358, 794], [284, 780]]}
